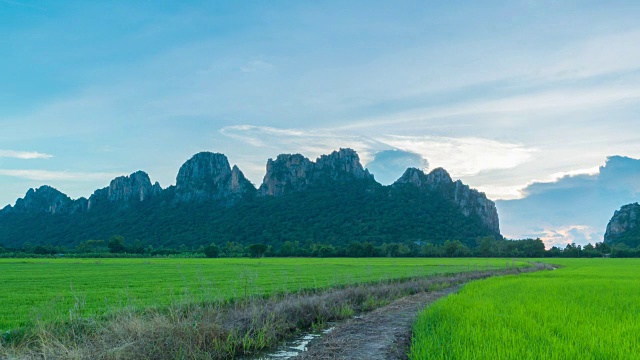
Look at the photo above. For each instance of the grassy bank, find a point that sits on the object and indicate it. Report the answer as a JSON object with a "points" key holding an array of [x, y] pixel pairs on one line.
{"points": [[586, 310], [45, 290], [216, 330]]}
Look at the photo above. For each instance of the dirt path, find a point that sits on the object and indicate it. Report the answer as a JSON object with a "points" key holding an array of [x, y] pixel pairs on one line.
{"points": [[382, 334]]}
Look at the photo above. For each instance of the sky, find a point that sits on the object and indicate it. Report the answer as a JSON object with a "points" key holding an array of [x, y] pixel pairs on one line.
{"points": [[508, 96]]}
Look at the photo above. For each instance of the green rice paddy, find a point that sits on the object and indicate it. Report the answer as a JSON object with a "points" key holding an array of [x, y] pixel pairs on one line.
{"points": [[589, 309], [53, 289]]}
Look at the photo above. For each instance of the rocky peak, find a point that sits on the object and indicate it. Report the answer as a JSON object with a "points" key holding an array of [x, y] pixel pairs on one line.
{"points": [[136, 187], [287, 172], [470, 201], [208, 176], [623, 221], [294, 172], [45, 199], [412, 176], [342, 164], [436, 178]]}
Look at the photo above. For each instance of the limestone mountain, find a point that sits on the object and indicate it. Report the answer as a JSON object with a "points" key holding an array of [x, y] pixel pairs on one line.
{"points": [[469, 201], [333, 200], [294, 172], [45, 199], [208, 176], [624, 226], [124, 190]]}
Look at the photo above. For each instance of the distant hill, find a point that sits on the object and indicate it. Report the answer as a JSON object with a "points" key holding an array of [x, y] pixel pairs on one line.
{"points": [[333, 200], [624, 226]]}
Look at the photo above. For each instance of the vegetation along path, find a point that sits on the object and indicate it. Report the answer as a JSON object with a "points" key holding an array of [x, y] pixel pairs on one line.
{"points": [[382, 334], [240, 328], [385, 333]]}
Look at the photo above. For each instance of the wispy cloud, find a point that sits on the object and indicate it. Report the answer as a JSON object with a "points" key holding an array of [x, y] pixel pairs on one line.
{"points": [[26, 155], [545, 101], [45, 175], [311, 143], [460, 156], [602, 55]]}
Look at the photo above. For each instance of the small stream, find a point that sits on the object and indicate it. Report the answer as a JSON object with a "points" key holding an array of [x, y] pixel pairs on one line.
{"points": [[293, 347]]}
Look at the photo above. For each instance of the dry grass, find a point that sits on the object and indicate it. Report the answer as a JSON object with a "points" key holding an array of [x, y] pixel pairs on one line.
{"points": [[220, 330]]}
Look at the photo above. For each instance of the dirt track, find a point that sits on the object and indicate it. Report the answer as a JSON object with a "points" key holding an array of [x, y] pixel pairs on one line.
{"points": [[382, 334]]}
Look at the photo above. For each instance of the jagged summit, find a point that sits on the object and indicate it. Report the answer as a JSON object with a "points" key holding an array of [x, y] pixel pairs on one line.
{"points": [[44, 199], [136, 187], [342, 164], [624, 226], [417, 177], [294, 172], [470, 201], [288, 172], [208, 176]]}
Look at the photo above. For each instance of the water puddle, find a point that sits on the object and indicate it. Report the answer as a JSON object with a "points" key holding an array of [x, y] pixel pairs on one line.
{"points": [[293, 347]]}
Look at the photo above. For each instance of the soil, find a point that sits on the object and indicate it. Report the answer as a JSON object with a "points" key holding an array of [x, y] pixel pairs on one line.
{"points": [[382, 334]]}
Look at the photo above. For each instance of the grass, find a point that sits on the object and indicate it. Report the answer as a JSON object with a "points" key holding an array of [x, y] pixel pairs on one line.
{"points": [[222, 330], [588, 309], [44, 290]]}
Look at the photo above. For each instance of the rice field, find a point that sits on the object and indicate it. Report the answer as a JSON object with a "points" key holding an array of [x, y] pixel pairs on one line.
{"points": [[589, 309], [53, 289]]}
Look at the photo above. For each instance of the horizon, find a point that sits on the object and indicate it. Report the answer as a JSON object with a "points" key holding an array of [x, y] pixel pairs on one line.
{"points": [[522, 101]]}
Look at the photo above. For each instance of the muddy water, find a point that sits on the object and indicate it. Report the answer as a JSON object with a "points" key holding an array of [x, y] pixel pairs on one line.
{"points": [[293, 347]]}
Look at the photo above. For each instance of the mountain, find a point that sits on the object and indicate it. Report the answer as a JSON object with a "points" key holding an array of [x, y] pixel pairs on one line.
{"points": [[125, 190], [624, 226], [46, 200], [294, 172], [332, 200], [469, 201], [209, 177]]}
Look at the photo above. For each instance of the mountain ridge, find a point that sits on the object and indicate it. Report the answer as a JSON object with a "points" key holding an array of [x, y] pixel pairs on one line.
{"points": [[208, 183]]}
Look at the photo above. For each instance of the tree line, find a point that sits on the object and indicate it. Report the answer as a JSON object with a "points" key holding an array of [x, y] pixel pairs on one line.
{"points": [[487, 246]]}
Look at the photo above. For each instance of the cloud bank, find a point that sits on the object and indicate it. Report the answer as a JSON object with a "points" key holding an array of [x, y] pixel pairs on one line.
{"points": [[465, 156], [574, 208]]}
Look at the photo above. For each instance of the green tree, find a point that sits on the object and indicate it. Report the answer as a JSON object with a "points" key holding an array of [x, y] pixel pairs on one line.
{"points": [[455, 249], [212, 251], [290, 248], [257, 250], [116, 244], [485, 246]]}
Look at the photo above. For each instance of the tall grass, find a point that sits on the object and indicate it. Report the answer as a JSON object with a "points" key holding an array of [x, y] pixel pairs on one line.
{"points": [[44, 290], [219, 330], [589, 309]]}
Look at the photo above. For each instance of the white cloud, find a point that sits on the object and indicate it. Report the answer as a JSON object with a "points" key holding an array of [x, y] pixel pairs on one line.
{"points": [[561, 236], [463, 156], [26, 155], [460, 156], [45, 175]]}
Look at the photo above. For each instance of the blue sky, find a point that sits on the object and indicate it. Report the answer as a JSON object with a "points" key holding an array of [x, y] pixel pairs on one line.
{"points": [[503, 94]]}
